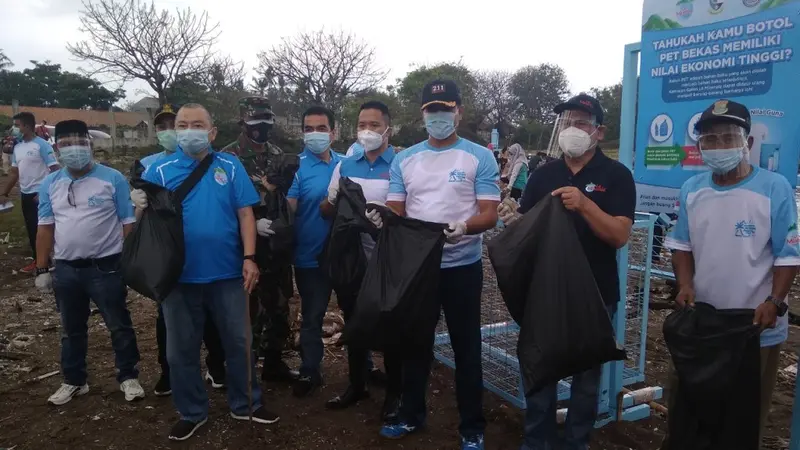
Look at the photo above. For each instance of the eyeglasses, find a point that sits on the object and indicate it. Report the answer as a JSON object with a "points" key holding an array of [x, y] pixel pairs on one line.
{"points": [[71, 195]]}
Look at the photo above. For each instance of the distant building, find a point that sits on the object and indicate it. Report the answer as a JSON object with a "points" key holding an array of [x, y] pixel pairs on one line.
{"points": [[93, 118]]}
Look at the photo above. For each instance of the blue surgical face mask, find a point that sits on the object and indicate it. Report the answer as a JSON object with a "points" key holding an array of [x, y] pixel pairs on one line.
{"points": [[440, 125], [317, 141], [75, 157], [168, 140], [722, 161], [16, 133], [193, 142]]}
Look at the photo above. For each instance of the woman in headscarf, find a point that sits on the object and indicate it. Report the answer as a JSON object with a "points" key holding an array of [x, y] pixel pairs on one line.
{"points": [[516, 170]]}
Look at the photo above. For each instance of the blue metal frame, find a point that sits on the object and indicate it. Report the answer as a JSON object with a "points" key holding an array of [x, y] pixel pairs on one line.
{"points": [[795, 436]]}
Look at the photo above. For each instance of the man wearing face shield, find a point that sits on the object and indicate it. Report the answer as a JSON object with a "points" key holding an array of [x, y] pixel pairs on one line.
{"points": [[369, 167], [309, 189], [447, 179], [743, 218], [601, 196], [85, 211], [220, 271], [269, 301], [164, 121]]}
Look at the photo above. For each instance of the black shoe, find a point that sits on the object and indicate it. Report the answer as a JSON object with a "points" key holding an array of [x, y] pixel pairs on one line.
{"points": [[277, 371], [163, 388], [261, 415], [217, 380], [377, 377], [305, 386], [350, 397], [184, 429], [391, 408]]}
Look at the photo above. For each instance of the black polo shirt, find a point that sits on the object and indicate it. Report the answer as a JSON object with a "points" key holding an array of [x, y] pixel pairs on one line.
{"points": [[610, 185]]}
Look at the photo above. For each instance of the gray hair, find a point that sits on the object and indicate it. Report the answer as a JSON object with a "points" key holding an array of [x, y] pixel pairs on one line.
{"points": [[199, 106]]}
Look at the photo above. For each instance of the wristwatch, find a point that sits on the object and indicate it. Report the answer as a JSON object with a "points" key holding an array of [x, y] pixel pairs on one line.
{"points": [[250, 257], [782, 306]]}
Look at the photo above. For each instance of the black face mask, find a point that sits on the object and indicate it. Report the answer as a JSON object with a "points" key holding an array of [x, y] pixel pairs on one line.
{"points": [[259, 133]]}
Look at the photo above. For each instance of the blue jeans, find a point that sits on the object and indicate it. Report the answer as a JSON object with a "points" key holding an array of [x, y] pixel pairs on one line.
{"points": [[185, 316], [460, 297], [75, 284], [540, 415], [315, 293]]}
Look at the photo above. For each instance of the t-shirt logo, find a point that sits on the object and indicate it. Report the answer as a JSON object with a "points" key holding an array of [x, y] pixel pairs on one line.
{"points": [[792, 237], [95, 201], [457, 176], [220, 176], [591, 187], [745, 229], [31, 153]]}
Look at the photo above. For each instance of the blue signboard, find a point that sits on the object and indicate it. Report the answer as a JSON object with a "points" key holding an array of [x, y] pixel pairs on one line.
{"points": [[695, 52]]}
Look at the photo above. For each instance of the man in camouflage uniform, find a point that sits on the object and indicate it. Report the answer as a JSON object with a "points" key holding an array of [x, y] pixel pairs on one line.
{"points": [[269, 301]]}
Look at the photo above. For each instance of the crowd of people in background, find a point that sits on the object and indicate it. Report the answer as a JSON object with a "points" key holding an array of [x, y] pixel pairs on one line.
{"points": [[235, 300]]}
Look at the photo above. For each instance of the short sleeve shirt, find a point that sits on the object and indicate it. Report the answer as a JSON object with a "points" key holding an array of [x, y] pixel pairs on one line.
{"points": [[33, 160], [607, 183], [148, 160], [88, 212], [372, 177], [214, 248], [444, 185], [737, 234], [310, 188]]}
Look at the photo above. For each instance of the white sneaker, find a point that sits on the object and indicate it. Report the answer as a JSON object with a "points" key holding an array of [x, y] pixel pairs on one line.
{"points": [[65, 393], [132, 389]]}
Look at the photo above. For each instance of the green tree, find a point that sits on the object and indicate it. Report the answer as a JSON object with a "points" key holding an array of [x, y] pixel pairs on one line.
{"points": [[5, 63], [409, 92], [538, 89], [45, 84], [611, 99], [219, 88], [348, 122]]}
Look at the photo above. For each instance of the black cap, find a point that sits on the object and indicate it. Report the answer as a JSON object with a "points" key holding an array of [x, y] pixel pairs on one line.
{"points": [[166, 109], [66, 127], [442, 92], [725, 111], [582, 102]]}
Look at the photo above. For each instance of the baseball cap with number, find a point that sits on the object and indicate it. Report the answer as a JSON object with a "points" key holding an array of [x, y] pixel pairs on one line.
{"points": [[441, 92]]}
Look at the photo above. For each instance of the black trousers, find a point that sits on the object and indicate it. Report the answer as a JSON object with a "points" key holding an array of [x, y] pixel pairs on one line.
{"points": [[30, 213], [215, 359]]}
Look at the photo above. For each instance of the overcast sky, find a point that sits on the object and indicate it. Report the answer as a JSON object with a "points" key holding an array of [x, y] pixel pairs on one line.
{"points": [[585, 37]]}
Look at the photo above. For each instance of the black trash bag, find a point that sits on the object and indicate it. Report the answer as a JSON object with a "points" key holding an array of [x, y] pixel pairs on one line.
{"points": [[275, 252], [716, 354], [154, 253], [343, 259], [396, 308], [548, 287]]}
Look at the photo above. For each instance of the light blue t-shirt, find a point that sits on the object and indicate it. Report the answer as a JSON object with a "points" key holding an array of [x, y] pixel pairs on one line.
{"points": [[210, 222], [737, 234], [444, 185], [310, 188], [88, 212], [33, 159]]}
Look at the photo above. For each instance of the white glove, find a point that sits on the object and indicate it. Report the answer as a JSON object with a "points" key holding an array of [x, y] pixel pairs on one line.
{"points": [[374, 216], [455, 231], [333, 194], [44, 283], [264, 228], [507, 211], [139, 198]]}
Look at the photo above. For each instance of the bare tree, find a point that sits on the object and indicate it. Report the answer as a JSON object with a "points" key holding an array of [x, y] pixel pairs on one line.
{"points": [[130, 39], [5, 63], [494, 101], [322, 67]]}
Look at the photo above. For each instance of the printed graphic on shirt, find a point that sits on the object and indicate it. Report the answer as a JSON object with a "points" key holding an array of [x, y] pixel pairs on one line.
{"points": [[745, 229], [457, 176], [220, 176], [591, 187]]}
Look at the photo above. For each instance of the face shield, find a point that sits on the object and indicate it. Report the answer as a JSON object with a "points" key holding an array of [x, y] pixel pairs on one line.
{"points": [[573, 133], [723, 146], [75, 150]]}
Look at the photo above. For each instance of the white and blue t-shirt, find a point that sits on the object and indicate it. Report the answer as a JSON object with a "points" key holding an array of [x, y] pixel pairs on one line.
{"points": [[373, 179], [444, 185], [33, 160], [737, 234], [88, 212]]}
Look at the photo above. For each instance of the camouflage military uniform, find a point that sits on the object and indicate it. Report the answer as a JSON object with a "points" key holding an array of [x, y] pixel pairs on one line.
{"points": [[269, 302]]}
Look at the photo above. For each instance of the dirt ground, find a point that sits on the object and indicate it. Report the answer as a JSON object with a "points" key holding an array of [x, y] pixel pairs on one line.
{"points": [[102, 419]]}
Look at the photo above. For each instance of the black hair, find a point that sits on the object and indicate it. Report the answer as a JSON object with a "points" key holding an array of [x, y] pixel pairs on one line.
{"points": [[319, 111], [26, 118], [380, 106]]}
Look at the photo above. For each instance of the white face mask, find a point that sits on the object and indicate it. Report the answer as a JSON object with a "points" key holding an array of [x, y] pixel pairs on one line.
{"points": [[574, 142], [371, 140]]}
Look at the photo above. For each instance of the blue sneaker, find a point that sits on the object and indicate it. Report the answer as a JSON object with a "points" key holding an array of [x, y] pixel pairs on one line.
{"points": [[397, 430], [472, 443]]}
